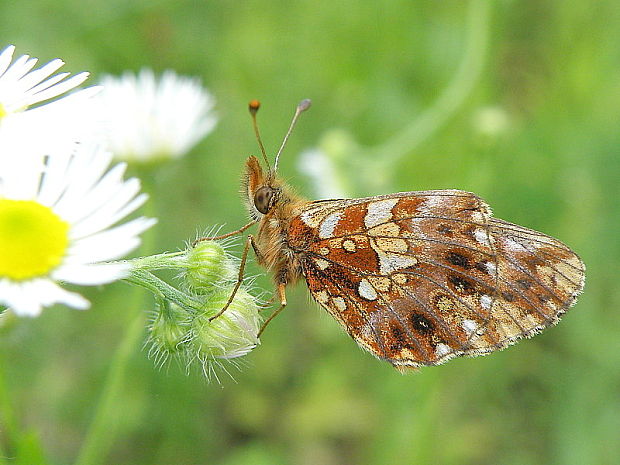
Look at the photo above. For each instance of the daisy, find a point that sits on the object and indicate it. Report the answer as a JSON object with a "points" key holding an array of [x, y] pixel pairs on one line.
{"points": [[62, 120], [152, 119], [58, 223], [20, 87]]}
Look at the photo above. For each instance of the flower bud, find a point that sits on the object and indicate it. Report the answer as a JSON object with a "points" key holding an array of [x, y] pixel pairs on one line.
{"points": [[209, 266], [232, 334], [169, 330]]}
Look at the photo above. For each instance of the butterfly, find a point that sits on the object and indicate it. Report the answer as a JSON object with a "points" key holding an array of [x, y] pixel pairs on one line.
{"points": [[415, 278]]}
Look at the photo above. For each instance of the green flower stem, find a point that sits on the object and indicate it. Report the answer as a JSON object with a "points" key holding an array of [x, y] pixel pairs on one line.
{"points": [[384, 158], [162, 289], [454, 95], [160, 261]]}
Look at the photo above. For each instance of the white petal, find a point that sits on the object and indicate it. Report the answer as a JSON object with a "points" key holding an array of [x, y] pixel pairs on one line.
{"points": [[93, 274], [106, 218], [53, 294], [53, 182], [18, 69], [59, 88], [35, 77], [100, 194], [110, 244], [83, 175], [21, 86], [48, 82], [28, 298], [20, 178], [88, 166], [5, 58]]}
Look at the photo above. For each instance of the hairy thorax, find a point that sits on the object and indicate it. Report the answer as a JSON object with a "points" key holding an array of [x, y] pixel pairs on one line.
{"points": [[274, 249]]}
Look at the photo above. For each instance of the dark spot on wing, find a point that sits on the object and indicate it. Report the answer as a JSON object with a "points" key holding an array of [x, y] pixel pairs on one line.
{"points": [[482, 267], [458, 259], [544, 298], [524, 283], [420, 323], [399, 341], [461, 284], [444, 229]]}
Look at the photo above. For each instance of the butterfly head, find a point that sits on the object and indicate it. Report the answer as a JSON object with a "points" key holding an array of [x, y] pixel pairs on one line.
{"points": [[263, 190]]}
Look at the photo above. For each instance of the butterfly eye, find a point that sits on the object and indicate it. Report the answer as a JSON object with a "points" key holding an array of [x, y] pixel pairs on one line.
{"points": [[262, 199]]}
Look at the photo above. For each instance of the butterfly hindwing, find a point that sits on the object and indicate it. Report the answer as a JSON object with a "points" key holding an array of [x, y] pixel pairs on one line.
{"points": [[539, 278]]}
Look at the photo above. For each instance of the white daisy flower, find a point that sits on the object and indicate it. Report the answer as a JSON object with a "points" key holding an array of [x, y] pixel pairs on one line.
{"points": [[20, 87], [58, 223], [152, 119], [60, 121]]}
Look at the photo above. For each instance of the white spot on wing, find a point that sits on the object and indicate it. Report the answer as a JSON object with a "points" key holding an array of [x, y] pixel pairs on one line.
{"points": [[514, 245], [430, 204], [486, 301], [310, 218], [321, 297], [328, 225], [469, 326], [366, 290], [442, 349], [349, 245], [339, 303], [389, 262], [481, 236], [322, 264], [379, 212], [491, 267]]}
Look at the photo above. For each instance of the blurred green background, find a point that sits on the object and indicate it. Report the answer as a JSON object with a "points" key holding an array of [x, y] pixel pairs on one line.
{"points": [[518, 101]]}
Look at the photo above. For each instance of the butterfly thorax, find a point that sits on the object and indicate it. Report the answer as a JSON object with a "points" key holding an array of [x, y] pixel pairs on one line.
{"points": [[273, 204]]}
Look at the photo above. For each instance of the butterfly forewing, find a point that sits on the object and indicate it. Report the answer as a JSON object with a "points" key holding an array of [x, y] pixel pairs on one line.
{"points": [[420, 277]]}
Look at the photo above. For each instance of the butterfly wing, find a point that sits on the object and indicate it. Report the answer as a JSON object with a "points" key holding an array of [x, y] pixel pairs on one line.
{"points": [[417, 278]]}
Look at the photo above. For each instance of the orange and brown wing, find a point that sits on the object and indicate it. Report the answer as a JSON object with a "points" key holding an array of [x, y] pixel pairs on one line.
{"points": [[417, 278]]}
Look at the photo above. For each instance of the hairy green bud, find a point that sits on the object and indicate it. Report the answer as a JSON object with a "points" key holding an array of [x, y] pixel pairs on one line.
{"points": [[209, 266], [169, 331], [232, 334]]}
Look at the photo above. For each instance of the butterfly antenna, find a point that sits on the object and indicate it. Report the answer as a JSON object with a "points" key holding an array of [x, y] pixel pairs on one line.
{"points": [[303, 106], [253, 106]]}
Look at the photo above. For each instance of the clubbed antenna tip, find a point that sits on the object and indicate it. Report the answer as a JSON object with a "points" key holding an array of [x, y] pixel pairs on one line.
{"points": [[253, 106], [304, 104]]}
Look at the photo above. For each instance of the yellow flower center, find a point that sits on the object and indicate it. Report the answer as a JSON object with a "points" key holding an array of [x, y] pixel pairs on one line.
{"points": [[33, 239]]}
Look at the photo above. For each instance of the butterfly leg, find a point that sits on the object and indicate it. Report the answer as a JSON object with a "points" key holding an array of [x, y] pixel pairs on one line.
{"points": [[244, 257], [282, 295]]}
